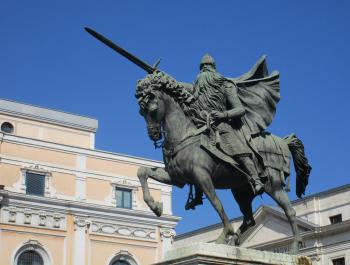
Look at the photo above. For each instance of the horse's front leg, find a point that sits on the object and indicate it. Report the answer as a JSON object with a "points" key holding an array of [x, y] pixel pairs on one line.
{"points": [[158, 174]]}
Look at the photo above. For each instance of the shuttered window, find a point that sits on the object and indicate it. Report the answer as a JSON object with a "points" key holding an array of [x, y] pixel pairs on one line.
{"points": [[123, 198], [35, 184]]}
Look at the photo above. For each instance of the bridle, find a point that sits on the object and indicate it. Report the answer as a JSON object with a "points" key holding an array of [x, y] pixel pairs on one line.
{"points": [[158, 143]]}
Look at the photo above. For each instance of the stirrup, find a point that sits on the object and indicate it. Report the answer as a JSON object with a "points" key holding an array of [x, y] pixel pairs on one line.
{"points": [[192, 203]]}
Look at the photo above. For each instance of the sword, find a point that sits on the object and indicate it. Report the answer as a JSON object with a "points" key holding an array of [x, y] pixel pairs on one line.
{"points": [[148, 68]]}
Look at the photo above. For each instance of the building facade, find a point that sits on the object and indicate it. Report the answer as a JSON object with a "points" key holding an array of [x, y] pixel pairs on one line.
{"points": [[323, 219], [65, 203]]}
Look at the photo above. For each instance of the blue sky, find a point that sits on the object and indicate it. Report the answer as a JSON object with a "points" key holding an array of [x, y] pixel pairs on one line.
{"points": [[47, 59]]}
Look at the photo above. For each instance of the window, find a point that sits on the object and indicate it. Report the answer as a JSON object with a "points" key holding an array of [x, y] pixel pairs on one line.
{"points": [[123, 198], [35, 184], [7, 127], [31, 253], [123, 258], [121, 262], [335, 219], [339, 261], [30, 257]]}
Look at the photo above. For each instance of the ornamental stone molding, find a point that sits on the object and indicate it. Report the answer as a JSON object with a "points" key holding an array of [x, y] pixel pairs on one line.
{"points": [[27, 216], [56, 221], [32, 217], [12, 214], [81, 222], [125, 184], [167, 233], [42, 218], [123, 230], [36, 169]]}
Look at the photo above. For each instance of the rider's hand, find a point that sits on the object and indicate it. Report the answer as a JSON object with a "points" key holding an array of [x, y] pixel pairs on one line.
{"points": [[217, 115]]}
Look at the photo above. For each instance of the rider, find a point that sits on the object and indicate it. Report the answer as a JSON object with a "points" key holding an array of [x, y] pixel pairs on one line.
{"points": [[218, 96]]}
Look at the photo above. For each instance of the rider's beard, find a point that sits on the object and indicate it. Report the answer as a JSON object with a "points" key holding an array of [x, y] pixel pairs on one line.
{"points": [[209, 91], [206, 78]]}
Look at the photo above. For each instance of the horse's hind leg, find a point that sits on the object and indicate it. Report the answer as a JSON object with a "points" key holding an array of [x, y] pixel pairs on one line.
{"points": [[244, 197], [204, 182], [273, 187], [158, 174]]}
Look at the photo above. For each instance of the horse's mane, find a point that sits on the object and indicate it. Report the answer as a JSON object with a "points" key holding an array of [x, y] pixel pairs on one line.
{"points": [[160, 81], [195, 105]]}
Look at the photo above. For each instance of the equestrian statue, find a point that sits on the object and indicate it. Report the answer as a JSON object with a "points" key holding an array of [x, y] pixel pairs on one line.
{"points": [[213, 136]]}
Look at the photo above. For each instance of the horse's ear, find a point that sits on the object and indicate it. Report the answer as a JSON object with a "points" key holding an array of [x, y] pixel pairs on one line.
{"points": [[138, 82]]}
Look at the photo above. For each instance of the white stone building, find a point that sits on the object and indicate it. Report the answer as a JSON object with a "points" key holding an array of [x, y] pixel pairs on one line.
{"points": [[323, 219]]}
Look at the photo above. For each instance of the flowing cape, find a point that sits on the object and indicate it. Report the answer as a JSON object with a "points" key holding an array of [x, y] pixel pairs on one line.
{"points": [[259, 93]]}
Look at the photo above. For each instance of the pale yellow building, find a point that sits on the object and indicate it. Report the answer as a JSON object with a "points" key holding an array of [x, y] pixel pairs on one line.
{"points": [[65, 203]]}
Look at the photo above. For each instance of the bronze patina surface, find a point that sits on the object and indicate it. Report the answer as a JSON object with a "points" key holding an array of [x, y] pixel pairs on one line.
{"points": [[214, 136]]}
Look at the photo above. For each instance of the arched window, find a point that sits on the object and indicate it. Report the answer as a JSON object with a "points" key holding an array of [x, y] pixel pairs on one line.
{"points": [[30, 257], [123, 258], [121, 262], [31, 253]]}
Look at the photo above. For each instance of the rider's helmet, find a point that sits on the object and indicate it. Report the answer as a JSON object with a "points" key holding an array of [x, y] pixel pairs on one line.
{"points": [[207, 59]]}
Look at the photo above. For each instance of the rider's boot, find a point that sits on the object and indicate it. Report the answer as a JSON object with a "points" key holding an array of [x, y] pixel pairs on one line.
{"points": [[258, 186], [249, 167]]}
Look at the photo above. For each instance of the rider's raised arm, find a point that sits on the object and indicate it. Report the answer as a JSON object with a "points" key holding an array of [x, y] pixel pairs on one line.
{"points": [[235, 108]]}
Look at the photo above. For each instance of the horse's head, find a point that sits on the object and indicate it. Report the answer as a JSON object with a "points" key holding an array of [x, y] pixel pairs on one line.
{"points": [[159, 94], [152, 107]]}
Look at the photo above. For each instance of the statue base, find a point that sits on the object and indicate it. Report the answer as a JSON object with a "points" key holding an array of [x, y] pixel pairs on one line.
{"points": [[210, 253]]}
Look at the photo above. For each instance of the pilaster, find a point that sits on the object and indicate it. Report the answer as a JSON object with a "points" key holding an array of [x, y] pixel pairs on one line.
{"points": [[81, 227]]}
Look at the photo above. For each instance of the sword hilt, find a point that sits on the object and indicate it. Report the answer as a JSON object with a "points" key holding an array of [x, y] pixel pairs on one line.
{"points": [[155, 65]]}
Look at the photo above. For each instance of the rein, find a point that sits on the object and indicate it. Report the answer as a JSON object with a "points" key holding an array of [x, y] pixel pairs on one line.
{"points": [[186, 140], [159, 143], [170, 149]]}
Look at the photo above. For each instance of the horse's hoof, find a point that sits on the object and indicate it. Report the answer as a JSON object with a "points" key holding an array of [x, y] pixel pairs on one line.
{"points": [[235, 240], [294, 250], [158, 209], [221, 240]]}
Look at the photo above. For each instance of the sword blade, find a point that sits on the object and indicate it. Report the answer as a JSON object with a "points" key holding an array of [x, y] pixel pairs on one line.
{"points": [[149, 69]]}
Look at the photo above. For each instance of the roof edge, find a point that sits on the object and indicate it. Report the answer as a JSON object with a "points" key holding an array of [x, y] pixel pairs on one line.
{"points": [[47, 115]]}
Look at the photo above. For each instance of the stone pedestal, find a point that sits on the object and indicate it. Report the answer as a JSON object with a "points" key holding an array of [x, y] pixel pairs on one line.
{"points": [[210, 253]]}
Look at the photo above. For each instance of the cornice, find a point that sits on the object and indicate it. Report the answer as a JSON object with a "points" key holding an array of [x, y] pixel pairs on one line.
{"points": [[82, 151], [46, 115], [322, 194], [318, 233], [87, 209], [259, 212], [75, 171]]}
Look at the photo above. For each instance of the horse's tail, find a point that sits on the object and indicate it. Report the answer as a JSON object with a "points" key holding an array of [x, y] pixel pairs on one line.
{"points": [[301, 164]]}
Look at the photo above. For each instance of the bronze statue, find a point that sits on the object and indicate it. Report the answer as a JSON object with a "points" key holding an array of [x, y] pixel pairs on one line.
{"points": [[214, 137], [217, 97]]}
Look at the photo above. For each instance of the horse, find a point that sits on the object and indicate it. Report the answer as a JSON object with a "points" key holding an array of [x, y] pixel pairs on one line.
{"points": [[163, 103]]}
